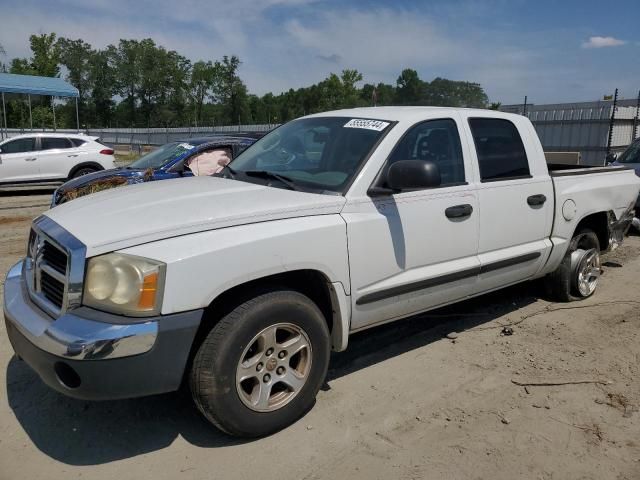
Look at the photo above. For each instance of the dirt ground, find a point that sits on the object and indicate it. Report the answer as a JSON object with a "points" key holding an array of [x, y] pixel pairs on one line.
{"points": [[403, 402]]}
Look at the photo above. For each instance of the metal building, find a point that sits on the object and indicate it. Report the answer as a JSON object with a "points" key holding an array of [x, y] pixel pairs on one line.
{"points": [[582, 127]]}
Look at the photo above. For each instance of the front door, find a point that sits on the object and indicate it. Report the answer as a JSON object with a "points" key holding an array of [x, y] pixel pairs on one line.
{"points": [[414, 250], [18, 161]]}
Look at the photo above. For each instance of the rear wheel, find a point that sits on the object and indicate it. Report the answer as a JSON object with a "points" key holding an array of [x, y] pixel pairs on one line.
{"points": [[578, 275], [259, 369], [83, 171]]}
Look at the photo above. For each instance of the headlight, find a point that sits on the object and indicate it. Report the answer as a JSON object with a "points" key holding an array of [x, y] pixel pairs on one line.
{"points": [[124, 284]]}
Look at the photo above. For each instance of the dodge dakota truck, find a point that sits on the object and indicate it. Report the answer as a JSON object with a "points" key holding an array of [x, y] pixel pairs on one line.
{"points": [[240, 285]]}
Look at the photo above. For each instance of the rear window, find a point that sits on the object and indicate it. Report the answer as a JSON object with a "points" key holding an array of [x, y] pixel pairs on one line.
{"points": [[50, 143], [501, 153], [77, 142]]}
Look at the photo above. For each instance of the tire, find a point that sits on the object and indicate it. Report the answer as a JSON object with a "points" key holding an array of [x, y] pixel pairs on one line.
{"points": [[83, 171], [564, 283], [238, 347]]}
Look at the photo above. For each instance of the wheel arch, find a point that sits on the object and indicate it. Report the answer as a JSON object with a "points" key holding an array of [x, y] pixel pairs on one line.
{"points": [[79, 166], [598, 222], [328, 296]]}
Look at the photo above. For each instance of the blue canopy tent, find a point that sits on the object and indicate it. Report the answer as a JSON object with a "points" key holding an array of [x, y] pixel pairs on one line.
{"points": [[32, 85]]}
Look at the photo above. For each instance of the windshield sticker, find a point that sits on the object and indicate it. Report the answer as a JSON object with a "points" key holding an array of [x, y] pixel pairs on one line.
{"points": [[187, 146], [376, 125]]}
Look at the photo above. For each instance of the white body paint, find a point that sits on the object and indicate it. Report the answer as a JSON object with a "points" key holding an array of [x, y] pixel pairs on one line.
{"points": [[362, 245]]}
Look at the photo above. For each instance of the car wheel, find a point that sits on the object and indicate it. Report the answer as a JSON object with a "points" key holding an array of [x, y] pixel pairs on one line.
{"points": [[260, 368], [83, 171], [578, 275]]}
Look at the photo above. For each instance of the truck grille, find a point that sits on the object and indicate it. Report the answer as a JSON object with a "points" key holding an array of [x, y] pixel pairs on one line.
{"points": [[47, 271], [52, 289], [54, 257]]}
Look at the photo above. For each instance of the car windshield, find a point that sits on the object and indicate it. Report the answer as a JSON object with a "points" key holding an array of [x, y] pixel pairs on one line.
{"points": [[317, 154], [631, 154], [163, 155]]}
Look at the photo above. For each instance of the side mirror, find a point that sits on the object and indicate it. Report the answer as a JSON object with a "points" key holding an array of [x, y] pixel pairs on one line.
{"points": [[413, 174], [612, 157]]}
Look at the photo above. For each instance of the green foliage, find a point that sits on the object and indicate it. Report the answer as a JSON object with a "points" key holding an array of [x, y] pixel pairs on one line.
{"points": [[46, 55], [138, 83]]}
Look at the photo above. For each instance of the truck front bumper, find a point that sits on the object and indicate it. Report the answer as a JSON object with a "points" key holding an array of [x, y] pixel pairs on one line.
{"points": [[93, 355]]}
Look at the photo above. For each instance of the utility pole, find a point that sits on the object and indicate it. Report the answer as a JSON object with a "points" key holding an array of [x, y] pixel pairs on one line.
{"points": [[53, 108], [635, 119], [524, 108], [612, 122]]}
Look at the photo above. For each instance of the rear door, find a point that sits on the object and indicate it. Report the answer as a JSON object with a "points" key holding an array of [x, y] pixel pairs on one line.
{"points": [[407, 252], [18, 160], [57, 156], [516, 200]]}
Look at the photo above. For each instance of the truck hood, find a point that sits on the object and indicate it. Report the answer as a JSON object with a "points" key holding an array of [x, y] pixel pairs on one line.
{"points": [[125, 217]]}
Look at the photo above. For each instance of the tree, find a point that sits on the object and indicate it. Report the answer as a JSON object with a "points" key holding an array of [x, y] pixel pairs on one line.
{"points": [[126, 64], [231, 91], [103, 81], [203, 80], [76, 56], [409, 88], [46, 55], [450, 93], [349, 79], [3, 66]]}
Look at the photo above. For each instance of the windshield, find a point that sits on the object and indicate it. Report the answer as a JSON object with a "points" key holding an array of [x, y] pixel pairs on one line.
{"points": [[162, 156], [631, 154], [322, 153]]}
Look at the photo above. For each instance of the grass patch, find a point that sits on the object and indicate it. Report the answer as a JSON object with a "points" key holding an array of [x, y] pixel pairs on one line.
{"points": [[124, 159]]}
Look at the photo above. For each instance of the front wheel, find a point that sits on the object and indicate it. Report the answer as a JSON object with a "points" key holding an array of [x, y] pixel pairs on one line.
{"points": [[578, 274], [260, 368]]}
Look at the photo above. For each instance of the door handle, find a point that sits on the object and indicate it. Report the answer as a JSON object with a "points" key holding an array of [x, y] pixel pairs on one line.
{"points": [[71, 156], [459, 211], [31, 159], [534, 200]]}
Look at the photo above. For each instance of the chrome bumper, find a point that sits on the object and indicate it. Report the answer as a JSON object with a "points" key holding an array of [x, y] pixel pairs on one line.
{"points": [[79, 334]]}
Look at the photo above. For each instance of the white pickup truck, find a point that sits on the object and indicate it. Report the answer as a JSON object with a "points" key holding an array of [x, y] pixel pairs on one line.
{"points": [[241, 284]]}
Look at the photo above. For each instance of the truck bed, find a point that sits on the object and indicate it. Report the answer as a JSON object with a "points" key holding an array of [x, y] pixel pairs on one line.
{"points": [[563, 169]]}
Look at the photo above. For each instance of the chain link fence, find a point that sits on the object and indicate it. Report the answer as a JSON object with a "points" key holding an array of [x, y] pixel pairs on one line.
{"points": [[136, 139]]}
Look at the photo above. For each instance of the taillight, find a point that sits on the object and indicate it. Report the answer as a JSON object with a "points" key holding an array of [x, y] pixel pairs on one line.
{"points": [[106, 151]]}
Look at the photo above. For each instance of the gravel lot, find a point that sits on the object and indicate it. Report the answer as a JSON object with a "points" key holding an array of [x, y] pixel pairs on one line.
{"points": [[403, 402]]}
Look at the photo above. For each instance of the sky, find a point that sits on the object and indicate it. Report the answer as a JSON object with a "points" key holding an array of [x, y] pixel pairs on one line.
{"points": [[551, 51]]}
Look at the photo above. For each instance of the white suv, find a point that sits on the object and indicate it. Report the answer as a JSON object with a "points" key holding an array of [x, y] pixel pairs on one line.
{"points": [[51, 157]]}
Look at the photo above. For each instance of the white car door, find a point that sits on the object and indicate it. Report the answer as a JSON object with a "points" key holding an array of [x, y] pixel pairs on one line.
{"points": [[56, 157], [18, 160], [414, 250], [516, 201]]}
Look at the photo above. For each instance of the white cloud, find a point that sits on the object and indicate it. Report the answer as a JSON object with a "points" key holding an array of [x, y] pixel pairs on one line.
{"points": [[293, 43], [603, 42]]}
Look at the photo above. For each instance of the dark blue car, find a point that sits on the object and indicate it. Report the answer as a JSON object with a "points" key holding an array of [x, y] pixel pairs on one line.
{"points": [[164, 163]]}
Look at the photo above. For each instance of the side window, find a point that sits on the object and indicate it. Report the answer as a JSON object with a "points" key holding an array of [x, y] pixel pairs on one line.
{"points": [[20, 145], [434, 141], [77, 142], [500, 150], [49, 143]]}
